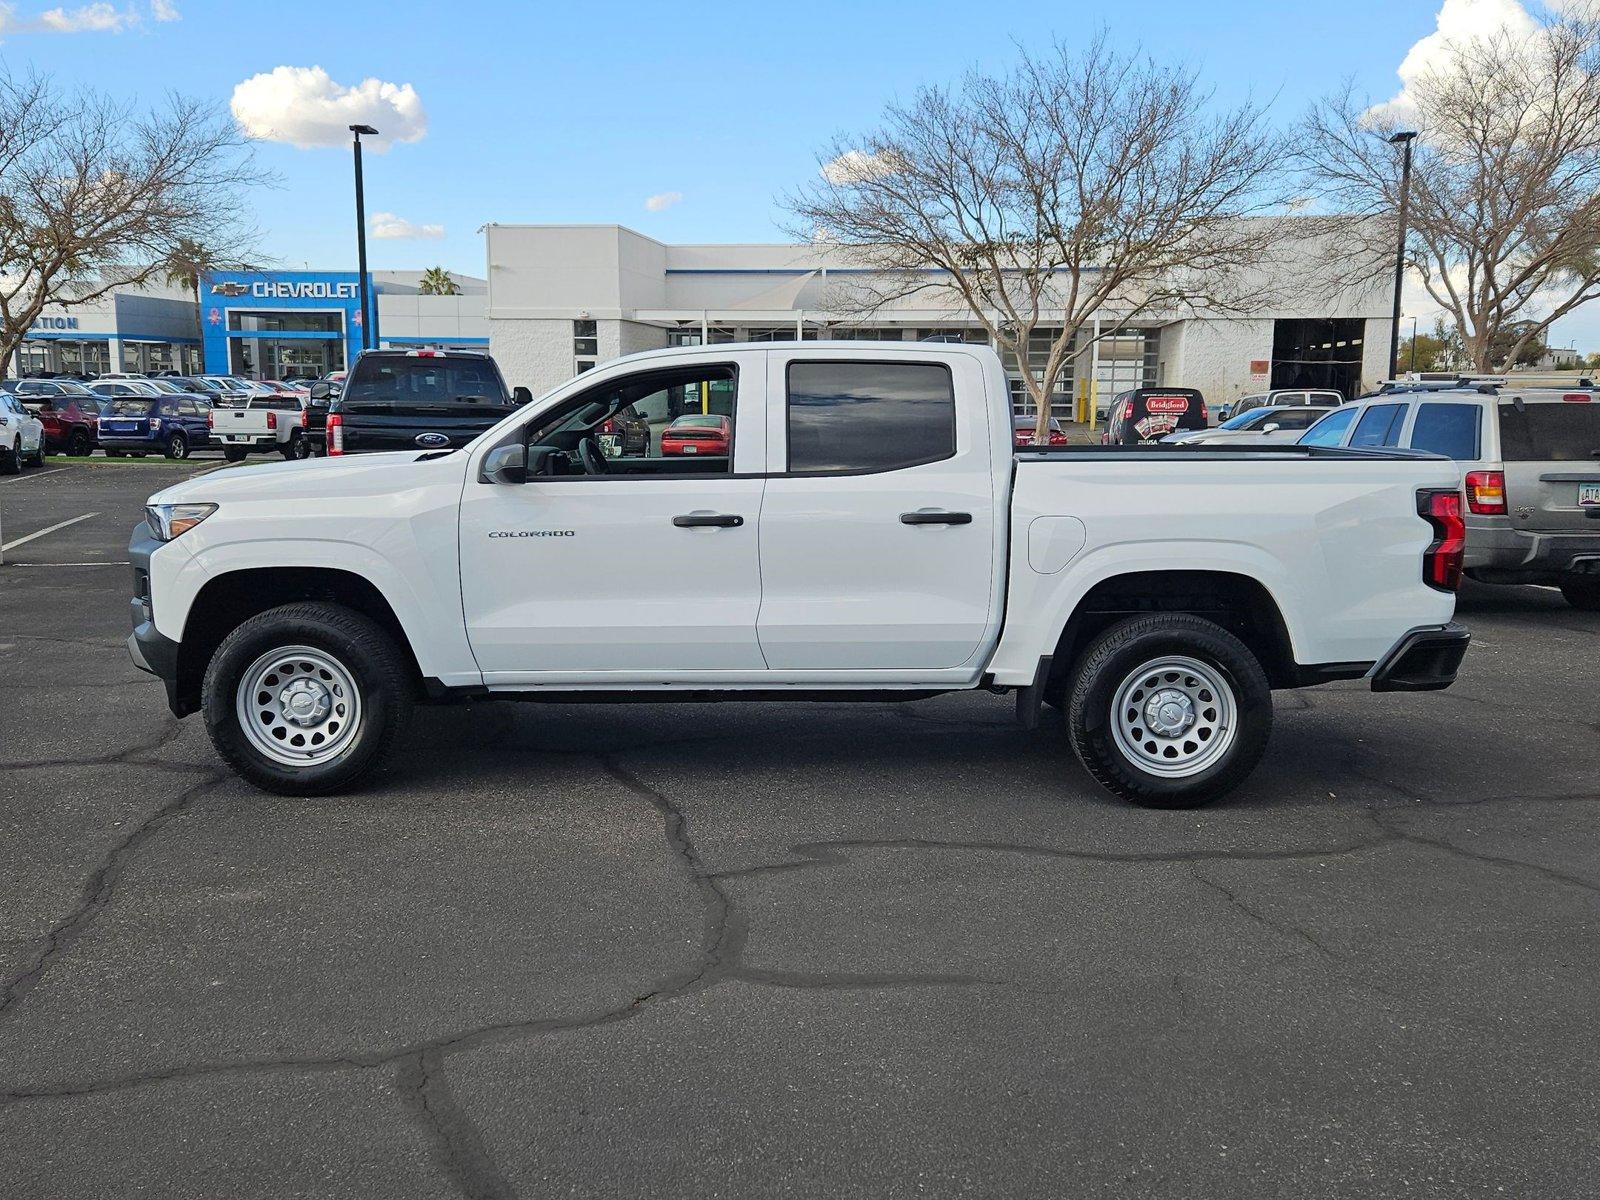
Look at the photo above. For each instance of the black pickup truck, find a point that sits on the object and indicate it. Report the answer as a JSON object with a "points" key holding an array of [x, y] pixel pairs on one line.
{"points": [[415, 400]]}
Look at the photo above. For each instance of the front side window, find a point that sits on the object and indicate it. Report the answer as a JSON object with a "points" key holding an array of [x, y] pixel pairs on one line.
{"points": [[1331, 429], [657, 424], [1447, 429], [868, 416], [1379, 426]]}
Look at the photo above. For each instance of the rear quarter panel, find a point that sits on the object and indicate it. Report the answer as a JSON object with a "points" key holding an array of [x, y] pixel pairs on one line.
{"points": [[1337, 543]]}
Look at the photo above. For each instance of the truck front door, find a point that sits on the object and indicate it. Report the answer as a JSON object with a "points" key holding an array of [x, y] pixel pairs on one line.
{"points": [[879, 542], [629, 562]]}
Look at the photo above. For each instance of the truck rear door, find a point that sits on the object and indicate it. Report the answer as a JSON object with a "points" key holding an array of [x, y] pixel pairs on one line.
{"points": [[879, 542], [1551, 450]]}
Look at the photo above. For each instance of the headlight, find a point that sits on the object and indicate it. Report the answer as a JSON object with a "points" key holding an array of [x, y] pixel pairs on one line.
{"points": [[168, 521]]}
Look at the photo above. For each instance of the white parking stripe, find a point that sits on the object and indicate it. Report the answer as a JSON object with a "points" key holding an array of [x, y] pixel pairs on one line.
{"points": [[36, 566], [49, 529], [38, 475]]}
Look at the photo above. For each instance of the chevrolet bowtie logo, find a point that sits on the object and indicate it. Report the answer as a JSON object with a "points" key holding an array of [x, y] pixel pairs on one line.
{"points": [[230, 289]]}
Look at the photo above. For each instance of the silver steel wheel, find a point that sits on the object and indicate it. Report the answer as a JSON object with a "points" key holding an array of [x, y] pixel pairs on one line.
{"points": [[1174, 716], [298, 706]]}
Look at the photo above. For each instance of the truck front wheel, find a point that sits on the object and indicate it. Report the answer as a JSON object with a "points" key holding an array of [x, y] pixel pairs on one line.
{"points": [[1168, 710], [306, 699]]}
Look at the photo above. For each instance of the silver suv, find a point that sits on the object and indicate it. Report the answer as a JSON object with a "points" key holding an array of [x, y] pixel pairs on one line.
{"points": [[1530, 473]]}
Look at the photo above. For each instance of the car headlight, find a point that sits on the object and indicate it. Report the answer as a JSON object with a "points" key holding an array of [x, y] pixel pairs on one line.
{"points": [[168, 521]]}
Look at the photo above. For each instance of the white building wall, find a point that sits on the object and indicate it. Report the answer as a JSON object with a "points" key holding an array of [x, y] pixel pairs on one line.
{"points": [[536, 354], [1215, 355], [1375, 352]]}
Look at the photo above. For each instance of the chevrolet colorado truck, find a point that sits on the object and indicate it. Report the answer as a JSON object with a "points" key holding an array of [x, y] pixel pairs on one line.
{"points": [[868, 532]]}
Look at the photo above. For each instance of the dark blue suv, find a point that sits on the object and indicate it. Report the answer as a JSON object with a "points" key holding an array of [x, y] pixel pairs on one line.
{"points": [[139, 425]]}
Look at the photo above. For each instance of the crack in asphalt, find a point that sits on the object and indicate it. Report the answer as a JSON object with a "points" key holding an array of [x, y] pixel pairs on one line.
{"points": [[1288, 928], [457, 1145], [124, 757], [97, 893]]}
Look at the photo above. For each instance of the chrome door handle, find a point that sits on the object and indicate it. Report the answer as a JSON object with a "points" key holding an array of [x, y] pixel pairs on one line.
{"points": [[936, 518], [713, 520]]}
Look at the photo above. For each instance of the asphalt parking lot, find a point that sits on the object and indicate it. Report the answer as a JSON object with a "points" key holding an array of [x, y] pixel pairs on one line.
{"points": [[844, 950]]}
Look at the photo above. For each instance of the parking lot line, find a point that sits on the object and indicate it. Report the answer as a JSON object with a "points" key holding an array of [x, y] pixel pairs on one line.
{"points": [[48, 529], [38, 475]]}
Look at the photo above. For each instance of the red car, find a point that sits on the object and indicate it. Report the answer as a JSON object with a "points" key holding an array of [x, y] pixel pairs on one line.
{"points": [[1023, 427], [697, 434], [69, 411]]}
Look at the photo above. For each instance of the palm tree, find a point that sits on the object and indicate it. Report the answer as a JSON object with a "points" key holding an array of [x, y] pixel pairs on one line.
{"points": [[436, 281], [185, 263]]}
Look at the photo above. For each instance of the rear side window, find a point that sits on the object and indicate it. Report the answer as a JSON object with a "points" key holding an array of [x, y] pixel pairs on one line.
{"points": [[1560, 431], [1299, 418], [1379, 426], [133, 406], [1447, 429], [865, 416], [1331, 429], [426, 381]]}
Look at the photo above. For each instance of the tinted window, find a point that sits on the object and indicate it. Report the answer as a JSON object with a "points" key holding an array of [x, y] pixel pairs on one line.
{"points": [[1447, 429], [869, 416], [426, 381], [1558, 432], [134, 406], [1380, 426], [1330, 430]]}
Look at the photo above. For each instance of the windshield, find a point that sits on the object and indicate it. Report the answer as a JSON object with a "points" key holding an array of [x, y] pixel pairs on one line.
{"points": [[425, 381], [1243, 420], [699, 422], [129, 406], [164, 386]]}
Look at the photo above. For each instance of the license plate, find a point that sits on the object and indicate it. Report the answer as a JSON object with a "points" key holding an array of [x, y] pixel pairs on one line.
{"points": [[1589, 495], [691, 449], [610, 445]]}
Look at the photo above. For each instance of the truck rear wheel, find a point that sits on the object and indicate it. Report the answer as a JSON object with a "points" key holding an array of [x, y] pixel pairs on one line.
{"points": [[1168, 710], [307, 699], [1582, 593]]}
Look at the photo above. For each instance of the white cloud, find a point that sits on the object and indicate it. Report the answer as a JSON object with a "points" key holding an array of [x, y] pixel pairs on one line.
{"points": [[305, 107], [1459, 22], [662, 201], [856, 166], [165, 10], [85, 18], [388, 225]]}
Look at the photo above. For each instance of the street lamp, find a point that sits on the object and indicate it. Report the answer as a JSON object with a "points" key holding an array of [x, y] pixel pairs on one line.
{"points": [[361, 234], [1403, 140]]}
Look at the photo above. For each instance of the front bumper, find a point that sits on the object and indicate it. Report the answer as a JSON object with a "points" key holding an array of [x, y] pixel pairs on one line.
{"points": [[1424, 660], [151, 650]]}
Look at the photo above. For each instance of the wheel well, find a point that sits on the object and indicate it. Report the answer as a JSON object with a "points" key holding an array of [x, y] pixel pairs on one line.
{"points": [[228, 600], [1238, 603]]}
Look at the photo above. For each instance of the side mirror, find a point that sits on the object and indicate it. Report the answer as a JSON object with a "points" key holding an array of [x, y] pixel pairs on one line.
{"points": [[1271, 427], [321, 391], [505, 464], [520, 396]]}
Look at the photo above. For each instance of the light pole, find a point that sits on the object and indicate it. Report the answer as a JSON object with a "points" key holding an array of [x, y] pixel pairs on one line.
{"points": [[1403, 140], [1413, 345], [361, 235]]}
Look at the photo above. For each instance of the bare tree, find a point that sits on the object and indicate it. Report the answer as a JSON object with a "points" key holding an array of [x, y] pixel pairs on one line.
{"points": [[1504, 212], [95, 196], [1078, 183]]}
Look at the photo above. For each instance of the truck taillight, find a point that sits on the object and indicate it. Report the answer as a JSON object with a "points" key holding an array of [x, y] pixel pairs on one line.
{"points": [[1441, 561], [1486, 492], [335, 434], [608, 426], [305, 418], [211, 420], [272, 421]]}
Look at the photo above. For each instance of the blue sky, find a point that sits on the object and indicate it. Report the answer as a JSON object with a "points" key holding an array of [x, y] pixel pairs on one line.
{"points": [[582, 112]]}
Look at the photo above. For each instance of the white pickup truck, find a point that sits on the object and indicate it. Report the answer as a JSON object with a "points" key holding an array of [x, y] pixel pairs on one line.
{"points": [[261, 424], [816, 520]]}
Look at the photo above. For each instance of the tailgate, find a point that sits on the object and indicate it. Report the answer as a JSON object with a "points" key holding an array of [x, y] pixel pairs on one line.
{"points": [[382, 427], [240, 422], [1551, 450]]}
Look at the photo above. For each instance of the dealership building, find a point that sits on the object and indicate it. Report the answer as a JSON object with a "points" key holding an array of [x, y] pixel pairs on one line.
{"points": [[562, 298], [260, 324]]}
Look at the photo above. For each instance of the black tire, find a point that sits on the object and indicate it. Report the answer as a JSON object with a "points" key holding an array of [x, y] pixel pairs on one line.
{"points": [[1582, 594], [80, 444], [1113, 662], [38, 454], [11, 459], [369, 655], [234, 453], [177, 447], [291, 450]]}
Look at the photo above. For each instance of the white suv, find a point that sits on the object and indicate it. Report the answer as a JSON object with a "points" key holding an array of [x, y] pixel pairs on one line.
{"points": [[21, 436], [1530, 470]]}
